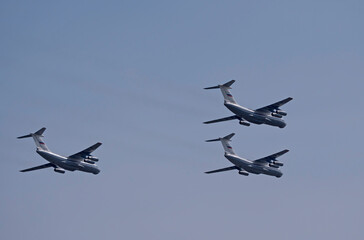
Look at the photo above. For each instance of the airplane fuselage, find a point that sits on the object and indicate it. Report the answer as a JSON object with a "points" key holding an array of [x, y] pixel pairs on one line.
{"points": [[253, 116], [250, 167], [68, 164]]}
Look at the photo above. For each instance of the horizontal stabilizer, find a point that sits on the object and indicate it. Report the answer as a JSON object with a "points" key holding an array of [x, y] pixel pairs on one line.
{"points": [[213, 140], [212, 87], [25, 136], [228, 137], [37, 133], [226, 85], [225, 143], [38, 138], [40, 132]]}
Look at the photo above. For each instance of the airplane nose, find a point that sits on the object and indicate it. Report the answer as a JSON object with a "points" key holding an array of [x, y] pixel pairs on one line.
{"points": [[283, 124], [97, 171]]}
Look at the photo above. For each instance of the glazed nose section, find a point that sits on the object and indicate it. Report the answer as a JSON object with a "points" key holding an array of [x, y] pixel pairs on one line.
{"points": [[96, 171], [282, 125]]}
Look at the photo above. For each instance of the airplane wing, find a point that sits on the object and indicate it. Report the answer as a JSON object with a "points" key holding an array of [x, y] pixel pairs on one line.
{"points": [[224, 169], [271, 158], [223, 119], [274, 106], [39, 167], [81, 155]]}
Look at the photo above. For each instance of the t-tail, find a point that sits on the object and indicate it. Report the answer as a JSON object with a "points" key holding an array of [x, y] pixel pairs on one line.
{"points": [[225, 143], [38, 139], [225, 91]]}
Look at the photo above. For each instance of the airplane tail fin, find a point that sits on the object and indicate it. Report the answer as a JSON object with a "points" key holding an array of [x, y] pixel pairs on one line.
{"points": [[225, 143], [38, 138], [225, 91]]}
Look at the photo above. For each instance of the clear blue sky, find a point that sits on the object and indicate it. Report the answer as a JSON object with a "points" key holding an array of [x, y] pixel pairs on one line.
{"points": [[131, 75]]}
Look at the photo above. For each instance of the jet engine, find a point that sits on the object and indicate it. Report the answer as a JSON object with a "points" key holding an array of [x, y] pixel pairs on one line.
{"points": [[89, 161], [273, 165], [59, 170], [277, 115], [243, 173], [283, 113], [92, 158], [278, 164], [244, 123]]}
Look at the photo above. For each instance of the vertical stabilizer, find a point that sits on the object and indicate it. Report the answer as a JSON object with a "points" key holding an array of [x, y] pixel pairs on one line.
{"points": [[38, 139], [225, 143], [225, 91]]}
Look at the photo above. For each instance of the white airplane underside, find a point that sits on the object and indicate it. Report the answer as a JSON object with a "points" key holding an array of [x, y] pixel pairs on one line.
{"points": [[270, 115], [267, 165], [81, 161]]}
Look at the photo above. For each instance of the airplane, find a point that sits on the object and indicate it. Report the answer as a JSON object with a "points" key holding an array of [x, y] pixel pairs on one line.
{"points": [[266, 165], [81, 161], [270, 115]]}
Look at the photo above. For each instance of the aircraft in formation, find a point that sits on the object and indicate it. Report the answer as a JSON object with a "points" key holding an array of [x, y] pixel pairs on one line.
{"points": [[266, 165], [270, 115], [81, 161]]}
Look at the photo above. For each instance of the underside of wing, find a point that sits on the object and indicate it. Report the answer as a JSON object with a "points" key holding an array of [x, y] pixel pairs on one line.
{"points": [[271, 158], [275, 106], [86, 152], [223, 169], [39, 167], [223, 119]]}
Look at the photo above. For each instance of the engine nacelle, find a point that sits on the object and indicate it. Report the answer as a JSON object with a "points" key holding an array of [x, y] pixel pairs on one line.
{"points": [[89, 161], [244, 123], [283, 113], [59, 170], [277, 115], [273, 165], [243, 173], [92, 158], [278, 164]]}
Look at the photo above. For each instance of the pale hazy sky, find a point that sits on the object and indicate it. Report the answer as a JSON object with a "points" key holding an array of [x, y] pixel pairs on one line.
{"points": [[131, 74]]}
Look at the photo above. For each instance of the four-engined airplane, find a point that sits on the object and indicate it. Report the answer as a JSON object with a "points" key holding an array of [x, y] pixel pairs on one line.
{"points": [[82, 161], [267, 165], [270, 115]]}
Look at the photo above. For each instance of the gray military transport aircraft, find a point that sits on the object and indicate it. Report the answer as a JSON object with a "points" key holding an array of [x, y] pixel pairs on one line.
{"points": [[82, 161], [267, 165], [270, 115]]}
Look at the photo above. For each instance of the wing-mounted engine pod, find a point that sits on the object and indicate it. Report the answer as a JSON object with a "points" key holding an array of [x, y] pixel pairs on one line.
{"points": [[278, 163], [89, 161], [59, 170], [92, 158], [280, 112], [277, 115], [244, 123], [273, 165], [243, 173]]}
